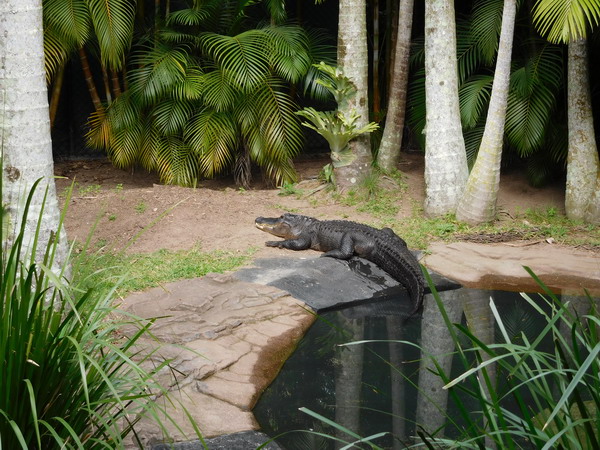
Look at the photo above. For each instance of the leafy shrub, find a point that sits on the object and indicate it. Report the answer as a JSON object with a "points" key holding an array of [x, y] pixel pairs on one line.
{"points": [[68, 377]]}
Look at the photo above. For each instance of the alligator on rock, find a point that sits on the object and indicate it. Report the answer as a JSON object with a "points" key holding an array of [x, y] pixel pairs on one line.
{"points": [[343, 239]]}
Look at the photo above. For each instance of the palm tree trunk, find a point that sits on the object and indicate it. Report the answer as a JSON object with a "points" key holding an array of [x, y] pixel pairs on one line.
{"points": [[353, 59], [446, 169], [89, 79], [26, 146], [582, 162], [436, 343], [348, 381], [389, 150], [55, 96], [376, 60], [478, 204]]}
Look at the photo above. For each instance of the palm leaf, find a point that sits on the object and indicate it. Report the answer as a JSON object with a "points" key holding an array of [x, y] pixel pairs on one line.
{"points": [[191, 87], [277, 125], [193, 16], [243, 59], [468, 55], [171, 115], [217, 91], [176, 162], [319, 50], [474, 96], [276, 9], [416, 106], [473, 139], [125, 144], [56, 53], [113, 25], [288, 52], [527, 118], [160, 69], [69, 21], [563, 21], [213, 137], [486, 21]]}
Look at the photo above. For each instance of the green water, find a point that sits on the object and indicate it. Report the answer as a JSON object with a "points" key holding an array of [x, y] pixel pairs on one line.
{"points": [[374, 387]]}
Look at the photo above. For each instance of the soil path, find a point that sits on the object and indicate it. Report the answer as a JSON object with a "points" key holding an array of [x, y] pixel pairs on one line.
{"points": [[132, 209]]}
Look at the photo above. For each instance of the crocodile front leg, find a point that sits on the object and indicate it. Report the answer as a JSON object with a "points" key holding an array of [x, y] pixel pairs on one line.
{"points": [[290, 244]]}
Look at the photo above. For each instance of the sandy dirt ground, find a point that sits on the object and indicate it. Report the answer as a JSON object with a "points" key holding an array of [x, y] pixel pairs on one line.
{"points": [[130, 208]]}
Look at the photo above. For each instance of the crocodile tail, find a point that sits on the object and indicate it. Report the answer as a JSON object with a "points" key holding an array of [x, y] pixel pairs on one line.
{"points": [[403, 266]]}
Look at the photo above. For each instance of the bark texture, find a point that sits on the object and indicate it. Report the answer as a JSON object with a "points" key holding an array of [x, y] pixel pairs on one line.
{"points": [[353, 58], [24, 120], [389, 149], [446, 169], [478, 204], [582, 161]]}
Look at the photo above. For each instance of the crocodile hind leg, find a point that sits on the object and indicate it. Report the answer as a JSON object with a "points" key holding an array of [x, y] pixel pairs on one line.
{"points": [[345, 248]]}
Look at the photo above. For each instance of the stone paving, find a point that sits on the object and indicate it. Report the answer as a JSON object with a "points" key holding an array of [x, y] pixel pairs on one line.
{"points": [[227, 339], [228, 335]]}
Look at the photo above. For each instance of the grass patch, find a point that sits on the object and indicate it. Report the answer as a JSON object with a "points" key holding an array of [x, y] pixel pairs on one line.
{"points": [[144, 271]]}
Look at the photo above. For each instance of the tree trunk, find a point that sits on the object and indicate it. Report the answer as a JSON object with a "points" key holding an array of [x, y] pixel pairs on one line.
{"points": [[446, 169], [348, 381], [25, 125], [478, 204], [582, 161], [389, 149], [353, 59], [436, 343]]}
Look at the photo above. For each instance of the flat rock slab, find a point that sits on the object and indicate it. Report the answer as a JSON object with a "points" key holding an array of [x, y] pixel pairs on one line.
{"points": [[329, 283], [226, 340], [500, 266]]}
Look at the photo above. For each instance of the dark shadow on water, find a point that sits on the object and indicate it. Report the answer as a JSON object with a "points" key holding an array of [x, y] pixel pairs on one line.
{"points": [[383, 386]]}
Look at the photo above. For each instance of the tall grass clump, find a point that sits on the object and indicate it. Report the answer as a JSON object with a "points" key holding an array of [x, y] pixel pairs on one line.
{"points": [[519, 392], [555, 392], [68, 377]]}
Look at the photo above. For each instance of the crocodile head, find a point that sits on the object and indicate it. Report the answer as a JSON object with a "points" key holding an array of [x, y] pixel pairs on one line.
{"points": [[287, 226]]}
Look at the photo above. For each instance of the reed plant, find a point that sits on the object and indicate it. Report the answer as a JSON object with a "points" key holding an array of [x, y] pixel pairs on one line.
{"points": [[518, 392], [69, 377]]}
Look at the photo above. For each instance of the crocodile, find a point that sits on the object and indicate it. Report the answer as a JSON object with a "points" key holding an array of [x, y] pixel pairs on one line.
{"points": [[343, 239]]}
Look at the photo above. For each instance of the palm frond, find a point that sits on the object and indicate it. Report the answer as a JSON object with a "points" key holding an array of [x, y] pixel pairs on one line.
{"points": [[191, 87], [69, 21], [547, 66], [319, 50], [125, 144], [563, 21], [171, 115], [113, 25], [474, 96], [176, 162], [213, 137], [473, 139], [217, 91], [416, 106], [468, 55], [276, 9], [288, 52], [527, 118], [56, 53], [243, 58], [160, 68], [193, 16], [486, 21], [278, 129]]}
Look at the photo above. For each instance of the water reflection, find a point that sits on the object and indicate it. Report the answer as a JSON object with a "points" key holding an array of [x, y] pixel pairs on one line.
{"points": [[391, 384]]}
